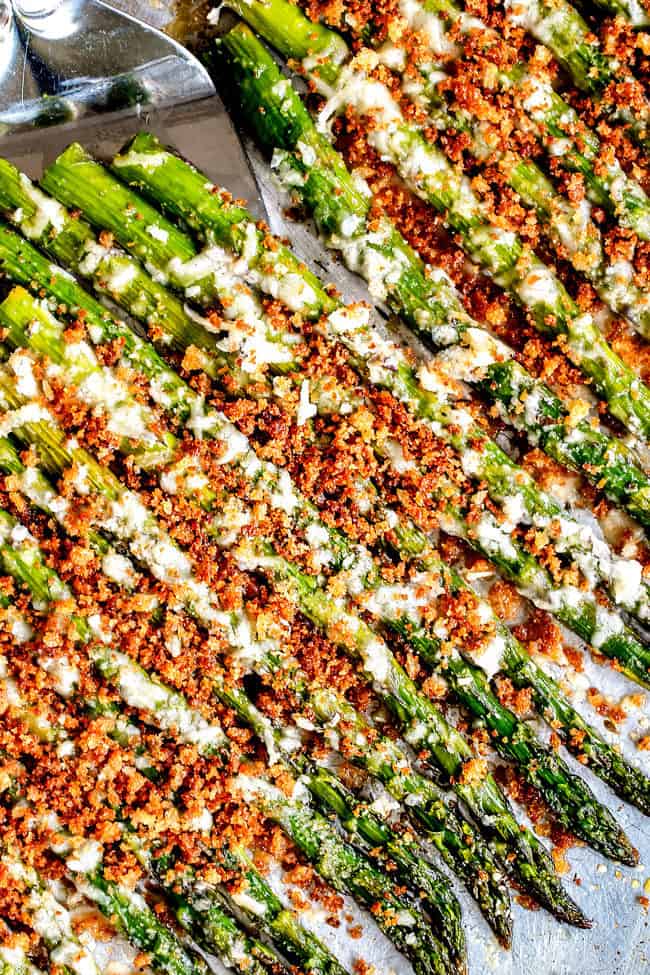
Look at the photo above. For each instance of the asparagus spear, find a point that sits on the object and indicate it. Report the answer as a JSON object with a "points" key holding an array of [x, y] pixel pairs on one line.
{"points": [[50, 920], [570, 798], [427, 302], [488, 461], [626, 780], [125, 908], [172, 712], [568, 226], [504, 478], [433, 734], [514, 739], [214, 929], [398, 376], [359, 820], [560, 27], [422, 801], [336, 861], [199, 909], [573, 145], [633, 11], [503, 255], [169, 710], [129, 910], [452, 836]]}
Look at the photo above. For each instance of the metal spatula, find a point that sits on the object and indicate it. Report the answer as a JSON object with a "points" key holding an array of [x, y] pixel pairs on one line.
{"points": [[79, 70]]}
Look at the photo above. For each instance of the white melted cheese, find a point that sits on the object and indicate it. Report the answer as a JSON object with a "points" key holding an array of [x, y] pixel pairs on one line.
{"points": [[469, 361], [86, 857], [119, 569], [52, 922], [539, 287], [421, 20], [121, 274], [145, 160], [48, 214], [306, 409], [170, 709], [158, 233], [22, 365], [65, 675]]}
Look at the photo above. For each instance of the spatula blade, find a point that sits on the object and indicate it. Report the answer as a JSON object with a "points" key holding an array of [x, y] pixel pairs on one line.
{"points": [[182, 107]]}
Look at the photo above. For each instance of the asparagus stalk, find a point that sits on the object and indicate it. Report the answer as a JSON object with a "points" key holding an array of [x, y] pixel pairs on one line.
{"points": [[626, 780], [125, 908], [290, 128], [573, 803], [472, 687], [460, 847], [491, 463], [573, 145], [560, 27], [50, 920], [421, 799], [503, 255], [428, 302], [483, 458], [130, 912], [398, 376], [214, 929], [207, 922], [451, 835], [512, 658], [568, 227], [169, 710], [517, 664], [158, 244], [198, 909], [444, 745], [342, 867], [634, 12], [496, 470], [372, 833], [337, 862]]}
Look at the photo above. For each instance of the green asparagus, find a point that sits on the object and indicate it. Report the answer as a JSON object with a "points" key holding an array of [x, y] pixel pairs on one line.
{"points": [[492, 463], [573, 146], [336, 861], [559, 26], [568, 796], [427, 302], [514, 660], [453, 836], [414, 711], [390, 367], [516, 663], [503, 255]]}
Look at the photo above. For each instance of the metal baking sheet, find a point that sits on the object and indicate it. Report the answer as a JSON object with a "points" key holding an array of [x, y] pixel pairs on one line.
{"points": [[618, 942]]}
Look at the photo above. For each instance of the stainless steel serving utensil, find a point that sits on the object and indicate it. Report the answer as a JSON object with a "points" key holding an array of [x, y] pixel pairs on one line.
{"points": [[79, 70]]}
